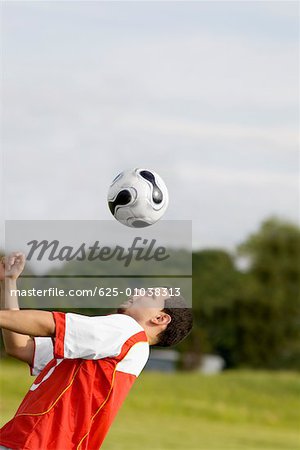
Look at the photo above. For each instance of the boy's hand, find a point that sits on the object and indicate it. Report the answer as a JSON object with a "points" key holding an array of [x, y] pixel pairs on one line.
{"points": [[14, 265]]}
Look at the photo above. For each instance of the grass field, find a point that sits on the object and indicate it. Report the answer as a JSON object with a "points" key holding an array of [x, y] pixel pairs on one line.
{"points": [[237, 410]]}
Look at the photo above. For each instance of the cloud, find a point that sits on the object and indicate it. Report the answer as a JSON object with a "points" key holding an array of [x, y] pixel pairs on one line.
{"points": [[213, 109], [280, 138], [223, 176]]}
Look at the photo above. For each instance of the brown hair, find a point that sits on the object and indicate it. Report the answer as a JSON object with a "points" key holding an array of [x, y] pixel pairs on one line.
{"points": [[181, 322]]}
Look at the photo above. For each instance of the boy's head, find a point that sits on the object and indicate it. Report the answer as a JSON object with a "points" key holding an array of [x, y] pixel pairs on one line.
{"points": [[167, 319]]}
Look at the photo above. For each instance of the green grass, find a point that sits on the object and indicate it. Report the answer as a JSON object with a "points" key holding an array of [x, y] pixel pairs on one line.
{"points": [[237, 410]]}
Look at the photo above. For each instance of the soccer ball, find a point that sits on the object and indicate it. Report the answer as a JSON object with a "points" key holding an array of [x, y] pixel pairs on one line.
{"points": [[138, 197]]}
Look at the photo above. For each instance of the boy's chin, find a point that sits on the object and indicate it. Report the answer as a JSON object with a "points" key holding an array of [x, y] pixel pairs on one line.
{"points": [[121, 310]]}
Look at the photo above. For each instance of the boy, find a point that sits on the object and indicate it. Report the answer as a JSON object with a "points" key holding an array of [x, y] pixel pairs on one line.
{"points": [[85, 366]]}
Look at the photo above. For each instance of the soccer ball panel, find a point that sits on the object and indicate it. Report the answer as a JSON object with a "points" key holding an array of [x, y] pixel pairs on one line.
{"points": [[157, 195]]}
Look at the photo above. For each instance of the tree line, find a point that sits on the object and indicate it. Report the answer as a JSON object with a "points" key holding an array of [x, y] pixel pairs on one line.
{"points": [[246, 303], [249, 316]]}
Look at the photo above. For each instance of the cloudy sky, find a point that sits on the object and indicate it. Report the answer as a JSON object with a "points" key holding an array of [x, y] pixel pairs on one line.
{"points": [[205, 93]]}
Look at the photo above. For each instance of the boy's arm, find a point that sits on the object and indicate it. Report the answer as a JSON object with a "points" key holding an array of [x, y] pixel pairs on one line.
{"points": [[32, 322], [17, 345]]}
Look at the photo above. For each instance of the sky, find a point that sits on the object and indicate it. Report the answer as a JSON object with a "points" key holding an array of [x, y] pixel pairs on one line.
{"points": [[204, 93]]}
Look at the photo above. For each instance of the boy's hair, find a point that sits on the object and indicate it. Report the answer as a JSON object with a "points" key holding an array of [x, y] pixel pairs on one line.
{"points": [[181, 322]]}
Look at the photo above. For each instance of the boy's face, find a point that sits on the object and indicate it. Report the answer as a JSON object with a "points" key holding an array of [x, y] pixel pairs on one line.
{"points": [[144, 305]]}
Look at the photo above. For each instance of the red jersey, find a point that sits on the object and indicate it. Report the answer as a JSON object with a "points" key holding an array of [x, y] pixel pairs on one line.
{"points": [[83, 376]]}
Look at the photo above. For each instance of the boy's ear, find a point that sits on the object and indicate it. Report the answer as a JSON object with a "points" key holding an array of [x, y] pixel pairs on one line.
{"points": [[161, 319]]}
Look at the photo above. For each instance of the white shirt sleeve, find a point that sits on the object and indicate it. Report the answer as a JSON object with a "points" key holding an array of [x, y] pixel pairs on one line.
{"points": [[79, 336], [43, 353], [135, 360]]}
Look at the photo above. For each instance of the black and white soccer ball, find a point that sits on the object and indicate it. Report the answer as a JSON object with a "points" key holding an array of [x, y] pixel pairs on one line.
{"points": [[138, 197]]}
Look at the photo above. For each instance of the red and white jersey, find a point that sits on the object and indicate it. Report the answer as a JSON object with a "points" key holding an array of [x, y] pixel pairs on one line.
{"points": [[83, 376]]}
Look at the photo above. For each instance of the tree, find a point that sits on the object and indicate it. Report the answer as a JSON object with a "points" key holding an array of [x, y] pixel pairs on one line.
{"points": [[270, 335], [251, 318], [215, 286]]}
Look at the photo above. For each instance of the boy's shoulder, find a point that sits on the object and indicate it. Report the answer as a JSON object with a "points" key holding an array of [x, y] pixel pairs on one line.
{"points": [[122, 320]]}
